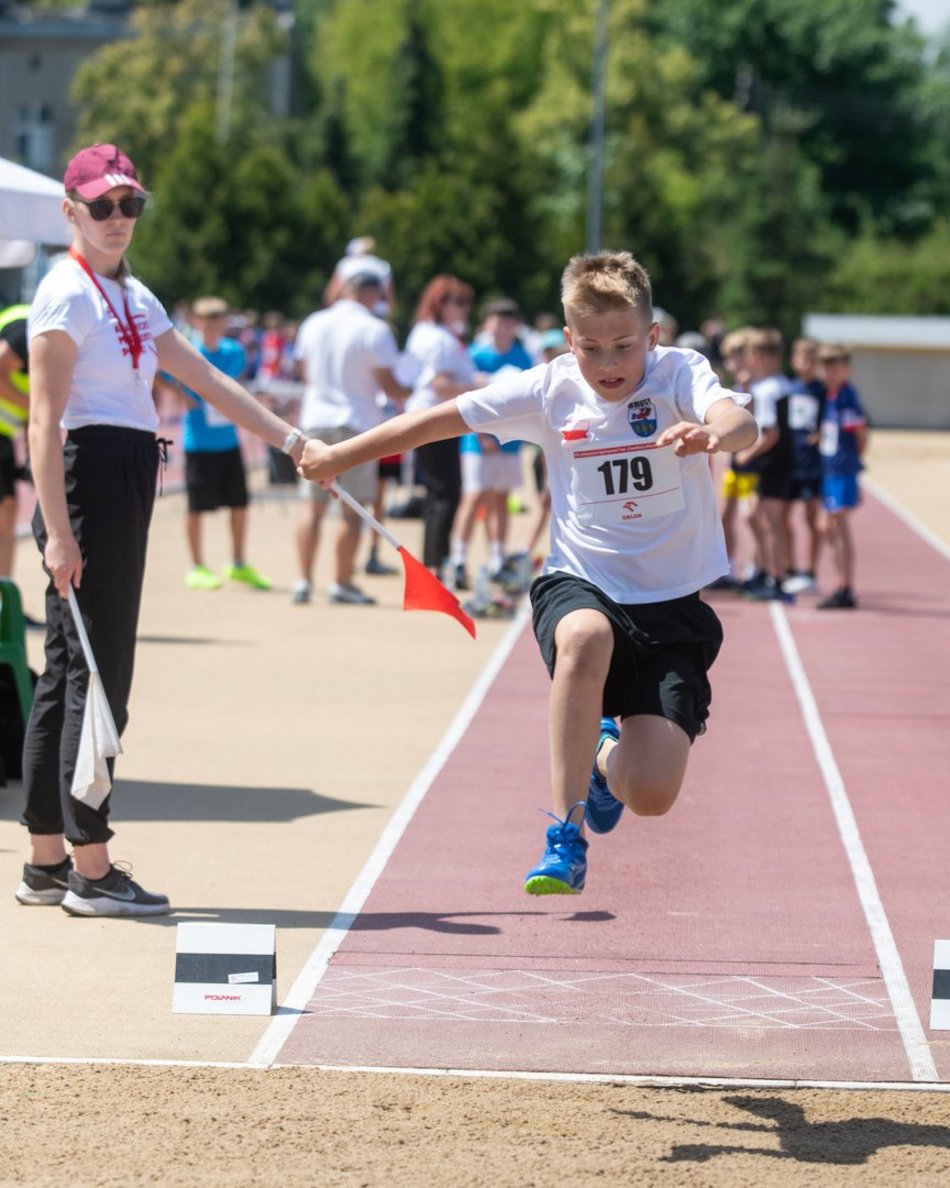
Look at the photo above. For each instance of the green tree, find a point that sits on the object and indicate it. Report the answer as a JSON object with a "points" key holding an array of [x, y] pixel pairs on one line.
{"points": [[845, 66], [242, 223], [746, 140], [137, 92], [875, 275]]}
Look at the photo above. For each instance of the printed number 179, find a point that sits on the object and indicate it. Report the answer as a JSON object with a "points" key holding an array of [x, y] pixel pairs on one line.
{"points": [[630, 472]]}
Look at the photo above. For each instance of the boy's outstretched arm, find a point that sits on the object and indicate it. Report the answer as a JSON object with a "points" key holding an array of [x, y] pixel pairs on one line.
{"points": [[322, 463], [728, 427]]}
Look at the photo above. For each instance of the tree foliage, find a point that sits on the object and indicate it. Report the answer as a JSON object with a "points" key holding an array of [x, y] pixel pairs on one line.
{"points": [[757, 153]]}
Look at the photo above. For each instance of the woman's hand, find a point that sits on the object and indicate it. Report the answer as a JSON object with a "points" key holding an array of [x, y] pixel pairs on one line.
{"points": [[64, 562]]}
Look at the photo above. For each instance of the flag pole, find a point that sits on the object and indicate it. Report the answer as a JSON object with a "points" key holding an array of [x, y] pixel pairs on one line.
{"points": [[367, 515], [81, 629]]}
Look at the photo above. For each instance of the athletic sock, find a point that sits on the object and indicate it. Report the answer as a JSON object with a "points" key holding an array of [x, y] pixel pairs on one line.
{"points": [[49, 868]]}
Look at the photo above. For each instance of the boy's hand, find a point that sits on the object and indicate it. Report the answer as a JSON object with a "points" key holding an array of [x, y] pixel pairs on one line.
{"points": [[316, 463], [687, 437]]}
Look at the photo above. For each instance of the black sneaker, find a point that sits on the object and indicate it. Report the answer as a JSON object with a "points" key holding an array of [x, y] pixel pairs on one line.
{"points": [[461, 579], [841, 600], [379, 568], [44, 886], [113, 895]]}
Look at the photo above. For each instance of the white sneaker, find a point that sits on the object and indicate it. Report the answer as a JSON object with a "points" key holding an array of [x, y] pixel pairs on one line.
{"points": [[799, 583], [301, 592], [350, 594]]}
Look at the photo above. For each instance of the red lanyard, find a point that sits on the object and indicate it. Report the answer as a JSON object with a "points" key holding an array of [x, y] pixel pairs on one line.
{"points": [[128, 332]]}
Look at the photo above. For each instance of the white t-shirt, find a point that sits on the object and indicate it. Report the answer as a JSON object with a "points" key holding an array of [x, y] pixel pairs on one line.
{"points": [[439, 352], [766, 393], [105, 390], [630, 517], [340, 347]]}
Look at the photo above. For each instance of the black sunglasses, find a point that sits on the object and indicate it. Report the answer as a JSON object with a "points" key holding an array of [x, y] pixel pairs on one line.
{"points": [[102, 208]]}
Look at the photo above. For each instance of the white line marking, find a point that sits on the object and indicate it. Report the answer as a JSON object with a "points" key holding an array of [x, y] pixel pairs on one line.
{"points": [[97, 1061], [307, 980], [487, 1074], [919, 1056], [630, 1079], [907, 517]]}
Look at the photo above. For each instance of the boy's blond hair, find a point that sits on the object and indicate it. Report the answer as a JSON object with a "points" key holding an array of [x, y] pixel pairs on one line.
{"points": [[807, 346], [766, 340], [608, 280], [834, 352]]}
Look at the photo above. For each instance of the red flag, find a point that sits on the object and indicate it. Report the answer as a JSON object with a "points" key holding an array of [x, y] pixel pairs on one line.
{"points": [[424, 591]]}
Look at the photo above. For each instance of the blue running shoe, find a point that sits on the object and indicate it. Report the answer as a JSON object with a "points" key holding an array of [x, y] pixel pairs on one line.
{"points": [[563, 866], [603, 808]]}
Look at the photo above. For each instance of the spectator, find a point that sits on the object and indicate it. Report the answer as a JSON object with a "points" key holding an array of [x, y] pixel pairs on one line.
{"points": [[490, 470], [14, 412], [345, 355], [843, 440], [805, 407], [772, 454], [359, 258], [437, 343], [739, 480], [214, 467]]}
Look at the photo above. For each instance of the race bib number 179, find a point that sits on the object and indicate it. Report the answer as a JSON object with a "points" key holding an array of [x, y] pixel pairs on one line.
{"points": [[625, 483]]}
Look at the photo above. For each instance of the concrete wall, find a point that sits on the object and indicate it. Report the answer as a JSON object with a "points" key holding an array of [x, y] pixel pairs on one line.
{"points": [[39, 58], [903, 389], [900, 365]]}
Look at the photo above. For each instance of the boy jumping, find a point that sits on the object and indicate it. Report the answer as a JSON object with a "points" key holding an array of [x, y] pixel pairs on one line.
{"points": [[625, 427]]}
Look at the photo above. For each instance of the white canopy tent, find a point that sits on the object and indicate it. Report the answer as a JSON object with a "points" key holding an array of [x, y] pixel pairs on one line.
{"points": [[31, 213]]}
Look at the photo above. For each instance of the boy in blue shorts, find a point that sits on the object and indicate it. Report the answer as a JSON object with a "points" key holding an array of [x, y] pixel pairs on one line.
{"points": [[626, 428], [842, 441]]}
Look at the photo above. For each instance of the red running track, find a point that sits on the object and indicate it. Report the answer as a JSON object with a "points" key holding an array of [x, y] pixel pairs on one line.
{"points": [[728, 939]]}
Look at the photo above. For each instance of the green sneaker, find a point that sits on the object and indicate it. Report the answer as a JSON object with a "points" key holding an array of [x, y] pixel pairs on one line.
{"points": [[201, 578], [248, 575]]}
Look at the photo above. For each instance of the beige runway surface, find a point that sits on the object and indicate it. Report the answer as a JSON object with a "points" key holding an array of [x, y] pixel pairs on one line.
{"points": [[268, 747]]}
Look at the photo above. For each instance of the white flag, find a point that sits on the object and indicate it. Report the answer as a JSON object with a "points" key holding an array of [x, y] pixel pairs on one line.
{"points": [[99, 739]]}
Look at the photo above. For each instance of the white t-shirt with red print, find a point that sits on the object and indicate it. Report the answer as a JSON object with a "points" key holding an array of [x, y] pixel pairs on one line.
{"points": [[106, 389], [638, 522]]}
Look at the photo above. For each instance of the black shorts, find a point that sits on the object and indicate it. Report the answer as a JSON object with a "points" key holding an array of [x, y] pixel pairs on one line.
{"points": [[8, 467], [804, 489], [215, 480], [773, 484], [662, 650]]}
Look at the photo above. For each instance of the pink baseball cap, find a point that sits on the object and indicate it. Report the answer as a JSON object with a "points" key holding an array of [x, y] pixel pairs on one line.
{"points": [[95, 170]]}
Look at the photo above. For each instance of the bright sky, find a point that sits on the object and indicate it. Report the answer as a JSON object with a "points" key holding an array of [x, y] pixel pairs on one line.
{"points": [[932, 15]]}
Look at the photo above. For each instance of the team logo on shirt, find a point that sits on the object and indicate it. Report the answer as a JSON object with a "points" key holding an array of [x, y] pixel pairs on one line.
{"points": [[642, 417]]}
